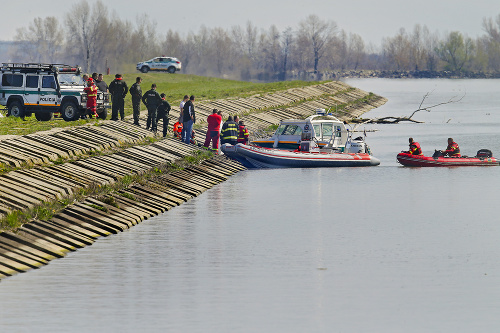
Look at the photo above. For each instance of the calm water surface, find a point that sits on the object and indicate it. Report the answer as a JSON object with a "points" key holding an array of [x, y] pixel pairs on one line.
{"points": [[381, 249]]}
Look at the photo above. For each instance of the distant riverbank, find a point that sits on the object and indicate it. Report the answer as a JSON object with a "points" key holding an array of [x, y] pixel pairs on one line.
{"points": [[394, 74]]}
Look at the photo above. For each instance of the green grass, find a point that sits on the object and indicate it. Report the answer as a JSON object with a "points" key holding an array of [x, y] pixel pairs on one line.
{"points": [[175, 86]]}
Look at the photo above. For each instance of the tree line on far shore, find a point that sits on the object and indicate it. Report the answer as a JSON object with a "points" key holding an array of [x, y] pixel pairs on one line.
{"points": [[94, 39]]}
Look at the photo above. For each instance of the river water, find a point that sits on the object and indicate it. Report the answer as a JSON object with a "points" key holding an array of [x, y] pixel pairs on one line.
{"points": [[380, 249]]}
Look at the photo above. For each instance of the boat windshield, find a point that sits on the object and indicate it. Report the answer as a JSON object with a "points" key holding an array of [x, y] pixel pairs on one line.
{"points": [[327, 130], [289, 130], [317, 131], [292, 130], [280, 129]]}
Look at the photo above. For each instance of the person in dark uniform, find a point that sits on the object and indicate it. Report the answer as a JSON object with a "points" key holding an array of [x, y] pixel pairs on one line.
{"points": [[152, 100], [118, 89], [162, 113], [229, 132], [136, 92]]}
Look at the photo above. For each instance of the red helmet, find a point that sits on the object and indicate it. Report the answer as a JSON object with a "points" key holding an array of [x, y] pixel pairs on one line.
{"points": [[90, 79]]}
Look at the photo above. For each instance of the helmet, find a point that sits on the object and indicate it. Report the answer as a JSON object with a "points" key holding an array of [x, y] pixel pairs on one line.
{"points": [[90, 79]]}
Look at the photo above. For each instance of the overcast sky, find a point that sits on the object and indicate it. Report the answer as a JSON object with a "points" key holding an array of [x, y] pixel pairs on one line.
{"points": [[372, 20]]}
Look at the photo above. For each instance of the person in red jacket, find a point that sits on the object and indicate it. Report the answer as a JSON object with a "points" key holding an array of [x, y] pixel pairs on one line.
{"points": [[453, 150], [91, 91], [414, 147], [213, 133], [242, 133]]}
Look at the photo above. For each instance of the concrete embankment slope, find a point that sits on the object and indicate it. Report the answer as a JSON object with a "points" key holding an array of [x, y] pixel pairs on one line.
{"points": [[54, 166]]}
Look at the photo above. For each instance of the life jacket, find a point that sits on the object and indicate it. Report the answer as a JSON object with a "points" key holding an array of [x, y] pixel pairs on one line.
{"points": [[453, 150], [415, 148], [243, 134], [91, 91]]}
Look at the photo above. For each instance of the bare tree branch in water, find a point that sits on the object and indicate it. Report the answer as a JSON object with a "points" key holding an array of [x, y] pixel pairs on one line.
{"points": [[396, 120]]}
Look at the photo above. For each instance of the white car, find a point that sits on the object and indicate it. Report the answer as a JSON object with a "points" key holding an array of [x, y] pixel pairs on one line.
{"points": [[167, 64]]}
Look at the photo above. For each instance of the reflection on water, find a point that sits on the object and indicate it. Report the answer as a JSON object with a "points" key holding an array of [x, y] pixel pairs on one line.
{"points": [[380, 249]]}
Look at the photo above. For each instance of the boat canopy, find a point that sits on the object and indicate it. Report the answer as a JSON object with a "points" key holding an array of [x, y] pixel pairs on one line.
{"points": [[326, 130]]}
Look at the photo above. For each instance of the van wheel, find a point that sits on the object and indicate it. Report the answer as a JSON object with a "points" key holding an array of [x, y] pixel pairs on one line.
{"points": [[69, 111], [103, 115], [144, 69], [171, 70], [43, 116], [16, 109]]}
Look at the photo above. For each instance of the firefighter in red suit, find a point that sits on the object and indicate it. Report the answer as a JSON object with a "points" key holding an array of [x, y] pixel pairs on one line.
{"points": [[178, 130], [91, 91], [453, 150], [242, 133], [414, 147], [213, 131]]}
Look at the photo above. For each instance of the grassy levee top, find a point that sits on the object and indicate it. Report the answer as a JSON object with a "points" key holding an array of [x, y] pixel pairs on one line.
{"points": [[174, 86]]}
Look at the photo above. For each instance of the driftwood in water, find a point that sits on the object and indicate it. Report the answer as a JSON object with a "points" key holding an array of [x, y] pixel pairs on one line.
{"points": [[396, 120]]}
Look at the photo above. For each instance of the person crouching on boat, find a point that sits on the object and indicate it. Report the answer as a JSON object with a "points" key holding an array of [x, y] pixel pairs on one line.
{"points": [[452, 150], [414, 147], [242, 133]]}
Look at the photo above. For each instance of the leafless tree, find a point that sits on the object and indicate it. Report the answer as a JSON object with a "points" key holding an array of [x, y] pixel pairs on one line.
{"points": [[316, 34], [287, 40], [87, 29], [42, 41]]}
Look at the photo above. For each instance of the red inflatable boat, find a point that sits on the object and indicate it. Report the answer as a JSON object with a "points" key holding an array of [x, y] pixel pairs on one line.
{"points": [[482, 159]]}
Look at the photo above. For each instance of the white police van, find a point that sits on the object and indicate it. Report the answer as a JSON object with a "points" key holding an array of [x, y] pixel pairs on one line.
{"points": [[42, 89], [158, 64]]}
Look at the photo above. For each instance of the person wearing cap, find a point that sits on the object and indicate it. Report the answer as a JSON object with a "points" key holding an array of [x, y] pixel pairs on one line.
{"points": [[163, 111], [118, 89], [91, 91], [152, 100]]}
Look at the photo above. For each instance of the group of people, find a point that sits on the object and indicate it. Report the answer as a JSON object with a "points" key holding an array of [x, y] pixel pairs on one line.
{"points": [[232, 131], [93, 84], [452, 150]]}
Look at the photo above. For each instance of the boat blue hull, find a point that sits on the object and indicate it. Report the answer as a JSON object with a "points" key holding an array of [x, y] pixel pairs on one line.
{"points": [[256, 157]]}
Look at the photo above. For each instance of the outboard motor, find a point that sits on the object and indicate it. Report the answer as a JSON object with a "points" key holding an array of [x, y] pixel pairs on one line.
{"points": [[484, 153], [356, 146], [437, 153]]}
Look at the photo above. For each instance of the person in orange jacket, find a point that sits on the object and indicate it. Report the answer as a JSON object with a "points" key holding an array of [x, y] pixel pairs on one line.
{"points": [[178, 130], [91, 91]]}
